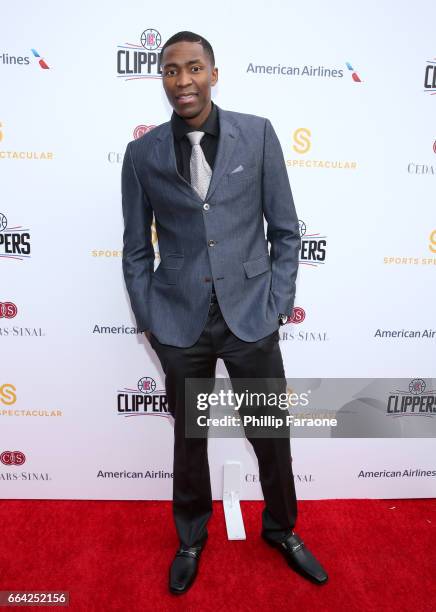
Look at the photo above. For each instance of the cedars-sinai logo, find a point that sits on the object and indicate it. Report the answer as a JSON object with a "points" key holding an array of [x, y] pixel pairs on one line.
{"points": [[298, 315], [140, 130], [8, 310], [12, 458], [417, 400], [143, 400], [140, 61]]}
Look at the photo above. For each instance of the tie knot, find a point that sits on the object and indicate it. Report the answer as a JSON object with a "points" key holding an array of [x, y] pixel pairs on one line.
{"points": [[195, 137]]}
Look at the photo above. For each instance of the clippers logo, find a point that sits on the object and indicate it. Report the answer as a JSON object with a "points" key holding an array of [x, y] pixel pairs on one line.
{"points": [[140, 130], [147, 384], [313, 247], [354, 75], [432, 244], [417, 386], [413, 402], [8, 310], [151, 39], [14, 241], [298, 315], [430, 77], [40, 60], [140, 61], [144, 400], [12, 458], [8, 394]]}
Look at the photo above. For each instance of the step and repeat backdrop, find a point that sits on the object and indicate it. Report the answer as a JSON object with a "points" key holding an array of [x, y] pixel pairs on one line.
{"points": [[351, 93]]}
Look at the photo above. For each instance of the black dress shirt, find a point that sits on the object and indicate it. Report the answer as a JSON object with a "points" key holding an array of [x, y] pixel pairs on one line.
{"points": [[182, 146]]}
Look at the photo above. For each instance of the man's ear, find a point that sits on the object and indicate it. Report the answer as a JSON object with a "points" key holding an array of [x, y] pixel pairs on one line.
{"points": [[214, 78]]}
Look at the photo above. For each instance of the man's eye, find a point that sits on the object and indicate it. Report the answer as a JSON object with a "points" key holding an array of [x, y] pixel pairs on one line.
{"points": [[169, 72], [196, 68]]}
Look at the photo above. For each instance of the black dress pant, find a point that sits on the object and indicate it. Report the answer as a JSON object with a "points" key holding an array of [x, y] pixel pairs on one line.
{"points": [[192, 498]]}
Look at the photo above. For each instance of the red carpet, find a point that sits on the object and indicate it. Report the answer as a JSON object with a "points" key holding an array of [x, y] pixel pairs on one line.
{"points": [[380, 555]]}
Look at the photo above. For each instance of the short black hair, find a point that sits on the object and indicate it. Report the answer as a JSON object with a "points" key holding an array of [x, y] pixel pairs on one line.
{"points": [[186, 36]]}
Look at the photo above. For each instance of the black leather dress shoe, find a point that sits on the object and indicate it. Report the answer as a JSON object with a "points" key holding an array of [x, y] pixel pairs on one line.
{"points": [[184, 568], [300, 558]]}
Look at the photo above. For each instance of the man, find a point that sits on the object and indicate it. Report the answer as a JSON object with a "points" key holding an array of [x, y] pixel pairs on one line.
{"points": [[209, 176]]}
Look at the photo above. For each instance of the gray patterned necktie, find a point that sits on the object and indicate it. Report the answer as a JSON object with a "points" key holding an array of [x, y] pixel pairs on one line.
{"points": [[200, 169]]}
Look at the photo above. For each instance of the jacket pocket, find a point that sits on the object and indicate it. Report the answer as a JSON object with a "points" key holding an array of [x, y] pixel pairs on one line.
{"points": [[247, 174], [172, 261], [168, 271], [257, 266]]}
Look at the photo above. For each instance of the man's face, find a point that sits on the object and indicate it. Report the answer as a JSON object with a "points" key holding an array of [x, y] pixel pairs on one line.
{"points": [[187, 77]]}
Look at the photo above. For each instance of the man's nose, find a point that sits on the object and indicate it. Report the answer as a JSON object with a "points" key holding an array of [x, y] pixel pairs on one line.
{"points": [[184, 79]]}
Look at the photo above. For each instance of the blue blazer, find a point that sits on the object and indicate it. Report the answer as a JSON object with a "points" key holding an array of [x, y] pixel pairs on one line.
{"points": [[221, 238]]}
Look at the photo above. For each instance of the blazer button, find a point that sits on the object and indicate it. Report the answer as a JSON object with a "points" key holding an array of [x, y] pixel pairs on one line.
{"points": [[206, 206], [212, 243]]}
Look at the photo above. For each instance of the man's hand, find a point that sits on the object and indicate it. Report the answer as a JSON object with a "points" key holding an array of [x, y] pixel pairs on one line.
{"points": [[283, 319]]}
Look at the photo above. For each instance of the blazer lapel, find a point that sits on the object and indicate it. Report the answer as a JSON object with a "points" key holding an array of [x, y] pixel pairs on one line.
{"points": [[226, 144]]}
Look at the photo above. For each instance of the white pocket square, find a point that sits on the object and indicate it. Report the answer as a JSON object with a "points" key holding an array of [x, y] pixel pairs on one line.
{"points": [[238, 169]]}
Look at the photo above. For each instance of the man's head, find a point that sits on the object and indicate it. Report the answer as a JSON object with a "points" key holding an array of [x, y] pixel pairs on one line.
{"points": [[188, 73]]}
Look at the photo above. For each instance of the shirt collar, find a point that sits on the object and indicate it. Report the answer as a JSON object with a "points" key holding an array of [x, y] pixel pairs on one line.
{"points": [[181, 128]]}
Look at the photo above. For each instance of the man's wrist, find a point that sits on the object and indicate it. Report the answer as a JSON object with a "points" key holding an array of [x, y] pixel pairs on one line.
{"points": [[283, 318]]}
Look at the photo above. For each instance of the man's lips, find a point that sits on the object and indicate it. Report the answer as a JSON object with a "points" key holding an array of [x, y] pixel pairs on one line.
{"points": [[186, 98]]}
